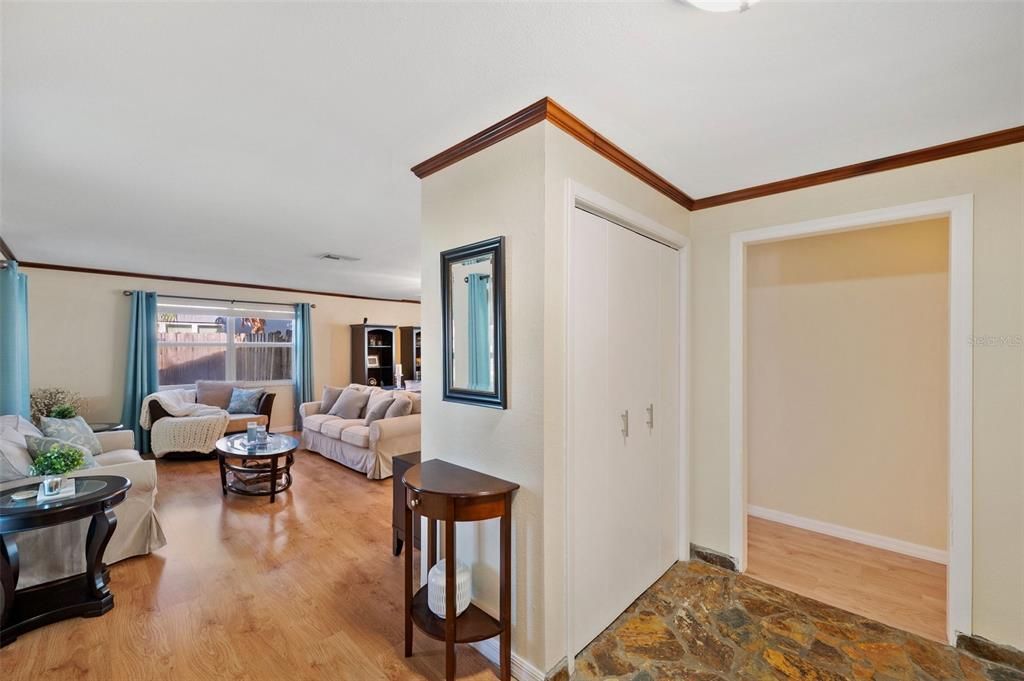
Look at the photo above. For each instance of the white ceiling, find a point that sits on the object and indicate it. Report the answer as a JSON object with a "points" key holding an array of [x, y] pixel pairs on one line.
{"points": [[238, 141]]}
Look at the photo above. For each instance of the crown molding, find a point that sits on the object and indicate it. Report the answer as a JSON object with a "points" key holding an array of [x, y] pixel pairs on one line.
{"points": [[551, 111], [210, 282], [547, 109], [970, 145]]}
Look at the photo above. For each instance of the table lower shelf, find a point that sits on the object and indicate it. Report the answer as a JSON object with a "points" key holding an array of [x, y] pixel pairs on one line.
{"points": [[472, 625], [51, 602]]}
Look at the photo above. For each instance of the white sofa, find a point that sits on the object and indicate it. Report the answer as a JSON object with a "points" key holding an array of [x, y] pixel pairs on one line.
{"points": [[351, 442], [59, 551]]}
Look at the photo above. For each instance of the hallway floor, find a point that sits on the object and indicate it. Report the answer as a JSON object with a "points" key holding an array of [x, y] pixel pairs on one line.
{"points": [[901, 591], [702, 623]]}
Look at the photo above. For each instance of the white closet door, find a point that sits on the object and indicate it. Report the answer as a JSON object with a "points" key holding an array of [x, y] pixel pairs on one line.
{"points": [[624, 358]]}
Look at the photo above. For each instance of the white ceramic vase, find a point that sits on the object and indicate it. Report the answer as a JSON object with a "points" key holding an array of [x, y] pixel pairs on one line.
{"points": [[436, 588]]}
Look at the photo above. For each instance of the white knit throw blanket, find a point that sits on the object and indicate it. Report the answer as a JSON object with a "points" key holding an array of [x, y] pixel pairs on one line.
{"points": [[194, 428]]}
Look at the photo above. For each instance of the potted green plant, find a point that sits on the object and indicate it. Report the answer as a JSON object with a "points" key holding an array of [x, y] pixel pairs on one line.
{"points": [[43, 402], [63, 411], [58, 460]]}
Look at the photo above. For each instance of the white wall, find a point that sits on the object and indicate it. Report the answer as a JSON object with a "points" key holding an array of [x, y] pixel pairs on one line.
{"points": [[996, 179], [517, 188], [78, 333], [847, 379]]}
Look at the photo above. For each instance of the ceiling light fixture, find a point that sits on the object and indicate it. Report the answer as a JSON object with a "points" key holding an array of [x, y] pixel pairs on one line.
{"points": [[338, 258], [723, 5]]}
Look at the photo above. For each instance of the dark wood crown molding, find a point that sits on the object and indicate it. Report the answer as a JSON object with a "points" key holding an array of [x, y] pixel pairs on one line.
{"points": [[5, 250], [550, 110], [940, 151], [210, 282]]}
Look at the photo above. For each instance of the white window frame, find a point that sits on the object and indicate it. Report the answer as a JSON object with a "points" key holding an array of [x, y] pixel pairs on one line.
{"points": [[230, 345]]}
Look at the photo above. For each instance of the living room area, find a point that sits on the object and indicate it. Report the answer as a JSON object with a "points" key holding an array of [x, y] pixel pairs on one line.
{"points": [[512, 340]]}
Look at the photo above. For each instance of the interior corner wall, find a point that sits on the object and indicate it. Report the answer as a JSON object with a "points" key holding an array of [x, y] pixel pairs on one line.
{"points": [[78, 333], [517, 189], [996, 180], [496, 192], [567, 159], [847, 339]]}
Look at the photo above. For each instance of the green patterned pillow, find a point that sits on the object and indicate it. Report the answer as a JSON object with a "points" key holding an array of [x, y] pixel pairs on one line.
{"points": [[37, 446], [245, 401], [73, 431]]}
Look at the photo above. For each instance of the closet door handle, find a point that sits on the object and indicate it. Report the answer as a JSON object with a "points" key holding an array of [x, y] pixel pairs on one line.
{"points": [[650, 416], [625, 423]]}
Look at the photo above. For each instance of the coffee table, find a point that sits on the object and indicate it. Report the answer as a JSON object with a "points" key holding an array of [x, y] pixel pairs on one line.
{"points": [[256, 470], [86, 594]]}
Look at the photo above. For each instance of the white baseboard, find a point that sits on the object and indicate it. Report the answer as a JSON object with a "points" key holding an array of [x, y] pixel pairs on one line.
{"points": [[876, 540], [521, 669]]}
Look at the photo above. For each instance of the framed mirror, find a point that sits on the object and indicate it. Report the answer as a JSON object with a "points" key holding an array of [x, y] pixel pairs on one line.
{"points": [[473, 323]]}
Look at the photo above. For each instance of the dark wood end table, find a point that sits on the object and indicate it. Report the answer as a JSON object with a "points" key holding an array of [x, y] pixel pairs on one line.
{"points": [[84, 595], [400, 463], [439, 490], [256, 470]]}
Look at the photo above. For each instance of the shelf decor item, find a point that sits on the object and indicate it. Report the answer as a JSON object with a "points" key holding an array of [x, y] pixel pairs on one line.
{"points": [[436, 591]]}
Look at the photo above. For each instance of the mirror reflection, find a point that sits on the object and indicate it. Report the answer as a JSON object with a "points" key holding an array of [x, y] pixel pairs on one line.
{"points": [[472, 324]]}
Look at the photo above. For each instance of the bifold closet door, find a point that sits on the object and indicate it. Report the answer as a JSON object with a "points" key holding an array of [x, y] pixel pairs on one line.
{"points": [[625, 413]]}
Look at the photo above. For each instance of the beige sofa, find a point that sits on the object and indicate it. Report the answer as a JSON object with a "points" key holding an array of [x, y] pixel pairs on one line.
{"points": [[59, 551], [351, 442]]}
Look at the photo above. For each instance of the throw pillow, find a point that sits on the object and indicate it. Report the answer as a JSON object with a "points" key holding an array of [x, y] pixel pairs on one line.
{"points": [[350, 404], [402, 406], [14, 457], [245, 401], [378, 409], [73, 431], [38, 446], [330, 396], [214, 393]]}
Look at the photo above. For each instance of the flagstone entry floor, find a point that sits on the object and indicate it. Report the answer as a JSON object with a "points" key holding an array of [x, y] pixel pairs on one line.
{"points": [[702, 623]]}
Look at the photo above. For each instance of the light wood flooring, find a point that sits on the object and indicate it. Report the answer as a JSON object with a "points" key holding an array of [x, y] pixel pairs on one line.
{"points": [[898, 590], [305, 588]]}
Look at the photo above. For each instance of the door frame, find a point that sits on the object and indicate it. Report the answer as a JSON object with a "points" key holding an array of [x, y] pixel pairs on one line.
{"points": [[579, 196], [960, 212]]}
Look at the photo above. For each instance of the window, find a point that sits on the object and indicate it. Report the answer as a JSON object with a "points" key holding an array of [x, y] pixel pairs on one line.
{"points": [[222, 341]]}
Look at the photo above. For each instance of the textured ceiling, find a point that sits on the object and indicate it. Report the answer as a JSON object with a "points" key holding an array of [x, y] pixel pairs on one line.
{"points": [[238, 141]]}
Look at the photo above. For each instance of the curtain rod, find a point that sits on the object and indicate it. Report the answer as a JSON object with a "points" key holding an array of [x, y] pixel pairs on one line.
{"points": [[224, 300]]}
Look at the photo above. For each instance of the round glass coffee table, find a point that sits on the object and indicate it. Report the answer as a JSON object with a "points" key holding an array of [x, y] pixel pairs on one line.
{"points": [[257, 469]]}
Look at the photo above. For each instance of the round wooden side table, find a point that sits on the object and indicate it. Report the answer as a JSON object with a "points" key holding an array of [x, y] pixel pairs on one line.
{"points": [[83, 595], [439, 490]]}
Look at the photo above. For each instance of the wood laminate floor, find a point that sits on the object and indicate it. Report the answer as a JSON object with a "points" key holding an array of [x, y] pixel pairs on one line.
{"points": [[898, 590], [305, 588]]}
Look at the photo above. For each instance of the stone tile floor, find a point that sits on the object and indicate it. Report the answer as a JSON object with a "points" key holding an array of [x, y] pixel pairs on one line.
{"points": [[703, 623]]}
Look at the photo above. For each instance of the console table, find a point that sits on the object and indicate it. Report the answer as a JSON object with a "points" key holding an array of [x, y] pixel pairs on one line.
{"points": [[439, 490]]}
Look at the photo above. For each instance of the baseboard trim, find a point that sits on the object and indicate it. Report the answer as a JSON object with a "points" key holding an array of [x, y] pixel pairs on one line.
{"points": [[521, 669], [867, 538]]}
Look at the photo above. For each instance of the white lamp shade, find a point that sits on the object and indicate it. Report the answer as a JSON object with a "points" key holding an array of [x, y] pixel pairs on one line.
{"points": [[723, 5], [436, 588]]}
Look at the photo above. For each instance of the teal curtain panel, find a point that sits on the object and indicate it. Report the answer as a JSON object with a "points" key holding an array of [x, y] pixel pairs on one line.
{"points": [[13, 341], [303, 362], [141, 376], [479, 334]]}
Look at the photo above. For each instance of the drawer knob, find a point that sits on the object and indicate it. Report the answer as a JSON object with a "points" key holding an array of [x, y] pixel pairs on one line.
{"points": [[414, 502]]}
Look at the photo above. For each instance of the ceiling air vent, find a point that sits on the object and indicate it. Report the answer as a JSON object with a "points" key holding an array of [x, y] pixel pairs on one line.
{"points": [[334, 257]]}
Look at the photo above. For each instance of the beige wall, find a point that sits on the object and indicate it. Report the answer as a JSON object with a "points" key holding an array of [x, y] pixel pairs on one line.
{"points": [[996, 179], [517, 188], [78, 331], [847, 388]]}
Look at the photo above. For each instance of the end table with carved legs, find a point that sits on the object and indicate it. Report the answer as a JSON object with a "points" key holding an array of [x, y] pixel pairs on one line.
{"points": [[83, 595]]}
